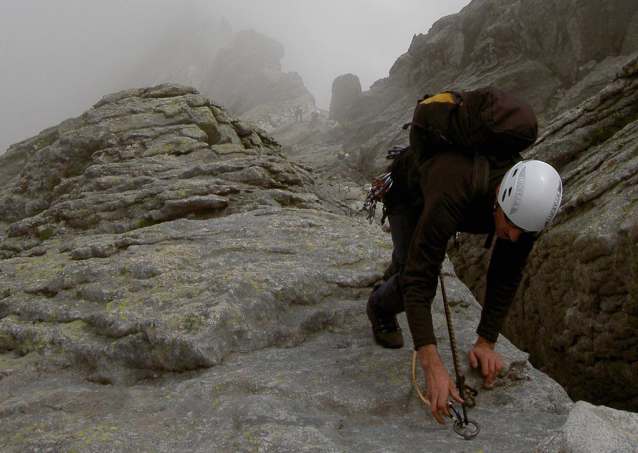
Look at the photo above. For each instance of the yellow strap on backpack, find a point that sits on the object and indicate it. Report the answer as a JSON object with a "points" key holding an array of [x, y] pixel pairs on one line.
{"points": [[441, 97]]}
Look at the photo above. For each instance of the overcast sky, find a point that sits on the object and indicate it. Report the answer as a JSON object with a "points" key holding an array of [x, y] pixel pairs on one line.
{"points": [[59, 57]]}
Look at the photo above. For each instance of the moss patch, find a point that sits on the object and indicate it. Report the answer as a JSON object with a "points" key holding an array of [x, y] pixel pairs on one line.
{"points": [[46, 234]]}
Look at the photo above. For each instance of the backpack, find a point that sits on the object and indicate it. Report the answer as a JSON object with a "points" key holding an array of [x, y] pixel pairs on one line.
{"points": [[486, 121]]}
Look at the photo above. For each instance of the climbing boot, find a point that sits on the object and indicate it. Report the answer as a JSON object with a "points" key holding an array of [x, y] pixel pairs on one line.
{"points": [[385, 328]]}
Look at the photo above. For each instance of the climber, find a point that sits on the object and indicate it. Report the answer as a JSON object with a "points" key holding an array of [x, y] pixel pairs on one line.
{"points": [[298, 114], [314, 118], [519, 201]]}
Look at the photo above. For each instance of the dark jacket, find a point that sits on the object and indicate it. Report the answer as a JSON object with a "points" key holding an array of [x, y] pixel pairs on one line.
{"points": [[451, 203]]}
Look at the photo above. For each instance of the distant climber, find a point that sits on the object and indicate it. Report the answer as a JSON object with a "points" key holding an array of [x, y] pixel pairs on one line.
{"points": [[314, 118], [298, 114]]}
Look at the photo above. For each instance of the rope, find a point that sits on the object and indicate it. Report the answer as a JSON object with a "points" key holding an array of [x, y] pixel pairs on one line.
{"points": [[462, 425], [416, 384], [466, 392], [450, 329]]}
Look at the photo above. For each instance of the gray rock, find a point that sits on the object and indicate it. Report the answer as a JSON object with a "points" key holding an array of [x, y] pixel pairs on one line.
{"points": [[345, 91], [202, 300], [593, 429]]}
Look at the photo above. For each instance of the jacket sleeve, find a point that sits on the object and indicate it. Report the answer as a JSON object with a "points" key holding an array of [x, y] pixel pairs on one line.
{"points": [[440, 219], [503, 278]]}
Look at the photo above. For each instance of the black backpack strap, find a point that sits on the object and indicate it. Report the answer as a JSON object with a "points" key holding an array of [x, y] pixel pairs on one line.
{"points": [[480, 176], [480, 184]]}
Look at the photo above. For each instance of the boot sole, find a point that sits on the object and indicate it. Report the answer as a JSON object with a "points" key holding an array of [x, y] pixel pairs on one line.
{"points": [[386, 344], [380, 341]]}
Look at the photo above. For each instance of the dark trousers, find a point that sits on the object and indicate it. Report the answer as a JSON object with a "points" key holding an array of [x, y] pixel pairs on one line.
{"points": [[403, 221]]}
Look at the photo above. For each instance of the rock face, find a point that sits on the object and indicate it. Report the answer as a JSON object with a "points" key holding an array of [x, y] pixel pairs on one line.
{"points": [[521, 47], [186, 53], [169, 280], [247, 74], [346, 89], [577, 312]]}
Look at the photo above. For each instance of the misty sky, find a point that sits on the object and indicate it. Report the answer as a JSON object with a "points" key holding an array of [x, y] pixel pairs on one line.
{"points": [[59, 57]]}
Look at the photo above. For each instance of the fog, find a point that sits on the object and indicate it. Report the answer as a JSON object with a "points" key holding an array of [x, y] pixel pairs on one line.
{"points": [[59, 57]]}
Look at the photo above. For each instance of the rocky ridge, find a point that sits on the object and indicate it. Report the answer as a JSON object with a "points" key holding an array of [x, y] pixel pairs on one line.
{"points": [[121, 166], [169, 279]]}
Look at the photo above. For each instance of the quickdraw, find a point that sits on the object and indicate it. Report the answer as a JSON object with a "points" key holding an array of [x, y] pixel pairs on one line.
{"points": [[381, 185]]}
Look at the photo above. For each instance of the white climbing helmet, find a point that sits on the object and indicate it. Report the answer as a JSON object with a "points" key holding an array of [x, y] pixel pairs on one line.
{"points": [[530, 194]]}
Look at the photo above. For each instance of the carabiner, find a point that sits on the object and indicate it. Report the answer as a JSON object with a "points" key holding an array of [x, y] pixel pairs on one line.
{"points": [[456, 412]]}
